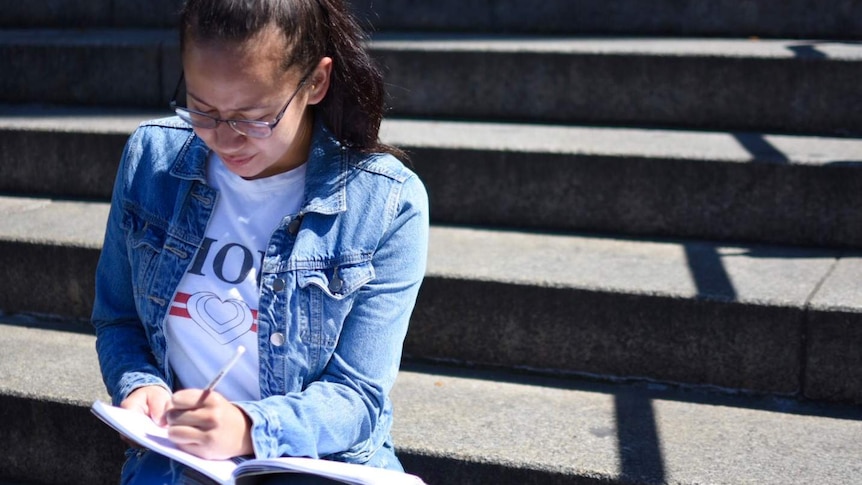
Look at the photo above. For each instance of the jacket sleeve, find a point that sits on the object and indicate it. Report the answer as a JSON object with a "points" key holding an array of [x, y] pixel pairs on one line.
{"points": [[124, 353], [347, 408]]}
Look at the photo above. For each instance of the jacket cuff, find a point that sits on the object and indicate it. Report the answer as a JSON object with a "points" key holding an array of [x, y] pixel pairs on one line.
{"points": [[135, 380]]}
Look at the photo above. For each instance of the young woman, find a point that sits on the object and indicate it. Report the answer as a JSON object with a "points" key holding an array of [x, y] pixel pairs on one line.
{"points": [[268, 215]]}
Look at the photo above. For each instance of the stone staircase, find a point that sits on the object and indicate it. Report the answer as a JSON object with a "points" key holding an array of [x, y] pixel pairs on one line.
{"points": [[645, 257]]}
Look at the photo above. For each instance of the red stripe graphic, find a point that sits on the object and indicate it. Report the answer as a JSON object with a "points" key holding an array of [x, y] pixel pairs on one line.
{"points": [[180, 312], [179, 309]]}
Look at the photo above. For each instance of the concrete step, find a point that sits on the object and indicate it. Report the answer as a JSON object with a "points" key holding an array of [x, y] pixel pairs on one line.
{"points": [[765, 18], [799, 190], [763, 318], [89, 14], [770, 319], [766, 85], [727, 18], [466, 426], [775, 85], [131, 67], [739, 186], [74, 151]]}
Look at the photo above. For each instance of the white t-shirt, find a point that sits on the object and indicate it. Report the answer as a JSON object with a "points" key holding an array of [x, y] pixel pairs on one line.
{"points": [[215, 307]]}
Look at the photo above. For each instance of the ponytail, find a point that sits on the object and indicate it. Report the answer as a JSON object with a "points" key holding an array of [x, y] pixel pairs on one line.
{"points": [[356, 98]]}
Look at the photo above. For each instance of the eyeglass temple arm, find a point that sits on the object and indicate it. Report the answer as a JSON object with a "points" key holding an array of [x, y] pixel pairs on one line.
{"points": [[177, 88]]}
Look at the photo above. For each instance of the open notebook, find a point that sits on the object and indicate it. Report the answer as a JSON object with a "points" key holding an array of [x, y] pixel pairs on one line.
{"points": [[142, 430]]}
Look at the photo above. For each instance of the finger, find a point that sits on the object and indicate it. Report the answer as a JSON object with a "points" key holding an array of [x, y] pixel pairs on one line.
{"points": [[201, 418], [157, 405], [163, 414], [192, 440], [177, 417], [204, 449], [191, 399], [185, 435]]}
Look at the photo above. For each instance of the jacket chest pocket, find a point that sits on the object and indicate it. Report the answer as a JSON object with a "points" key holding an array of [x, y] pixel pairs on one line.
{"points": [[329, 294], [145, 241]]}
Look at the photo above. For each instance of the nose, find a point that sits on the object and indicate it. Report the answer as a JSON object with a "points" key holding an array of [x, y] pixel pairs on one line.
{"points": [[226, 137]]}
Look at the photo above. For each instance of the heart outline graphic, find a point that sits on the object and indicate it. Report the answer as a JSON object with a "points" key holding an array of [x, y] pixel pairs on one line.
{"points": [[223, 320]]}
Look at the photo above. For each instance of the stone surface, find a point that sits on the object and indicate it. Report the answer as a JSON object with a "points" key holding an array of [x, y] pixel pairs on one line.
{"points": [[64, 151], [719, 185], [722, 186], [602, 308], [733, 18], [98, 67], [689, 312], [693, 83], [575, 432], [834, 344], [49, 250], [696, 83], [729, 18], [48, 379], [90, 14], [498, 427], [693, 312]]}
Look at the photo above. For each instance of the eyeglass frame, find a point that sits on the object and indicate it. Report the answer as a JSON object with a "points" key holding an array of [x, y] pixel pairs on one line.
{"points": [[232, 123]]}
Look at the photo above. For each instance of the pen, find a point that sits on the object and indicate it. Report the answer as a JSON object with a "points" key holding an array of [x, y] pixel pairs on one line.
{"points": [[224, 370]]}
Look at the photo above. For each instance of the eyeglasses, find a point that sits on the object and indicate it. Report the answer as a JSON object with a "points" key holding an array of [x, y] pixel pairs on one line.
{"points": [[252, 128]]}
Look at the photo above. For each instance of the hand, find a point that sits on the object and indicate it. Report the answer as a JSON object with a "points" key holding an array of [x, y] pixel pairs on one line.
{"points": [[213, 429], [148, 400]]}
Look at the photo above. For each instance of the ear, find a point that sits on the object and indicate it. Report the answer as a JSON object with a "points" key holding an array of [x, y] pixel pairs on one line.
{"points": [[318, 82]]}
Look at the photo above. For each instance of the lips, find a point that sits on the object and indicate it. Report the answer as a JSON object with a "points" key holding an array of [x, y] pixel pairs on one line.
{"points": [[237, 160]]}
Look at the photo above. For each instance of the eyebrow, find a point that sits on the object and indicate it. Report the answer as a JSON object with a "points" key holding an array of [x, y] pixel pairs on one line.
{"points": [[244, 108]]}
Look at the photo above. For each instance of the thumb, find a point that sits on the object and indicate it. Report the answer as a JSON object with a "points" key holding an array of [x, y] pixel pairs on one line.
{"points": [[158, 409], [157, 414]]}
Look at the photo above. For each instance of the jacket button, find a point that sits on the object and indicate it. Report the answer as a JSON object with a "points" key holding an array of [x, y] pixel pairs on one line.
{"points": [[278, 284], [277, 339], [335, 284]]}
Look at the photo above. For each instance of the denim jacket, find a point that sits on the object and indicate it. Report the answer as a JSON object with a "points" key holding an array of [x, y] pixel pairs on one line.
{"points": [[338, 284]]}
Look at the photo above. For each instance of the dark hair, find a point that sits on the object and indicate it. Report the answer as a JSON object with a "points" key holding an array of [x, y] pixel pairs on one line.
{"points": [[354, 104]]}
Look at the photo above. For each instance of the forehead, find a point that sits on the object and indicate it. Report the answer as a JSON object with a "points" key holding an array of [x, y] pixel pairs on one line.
{"points": [[262, 56]]}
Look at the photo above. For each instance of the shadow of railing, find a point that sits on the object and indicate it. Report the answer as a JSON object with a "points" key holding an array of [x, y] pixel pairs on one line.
{"points": [[642, 457], [807, 51], [638, 439], [810, 50], [708, 272], [759, 148]]}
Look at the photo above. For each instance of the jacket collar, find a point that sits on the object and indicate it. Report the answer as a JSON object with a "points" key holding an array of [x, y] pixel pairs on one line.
{"points": [[325, 179], [326, 176]]}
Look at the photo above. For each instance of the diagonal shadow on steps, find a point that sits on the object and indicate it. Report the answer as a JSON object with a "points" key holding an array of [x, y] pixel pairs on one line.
{"points": [[810, 50], [642, 459], [708, 272], [807, 51], [759, 148], [638, 440]]}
